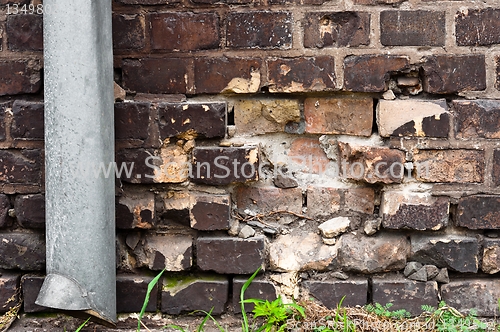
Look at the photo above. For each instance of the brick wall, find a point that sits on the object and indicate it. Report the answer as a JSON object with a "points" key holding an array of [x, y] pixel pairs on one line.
{"points": [[349, 147]]}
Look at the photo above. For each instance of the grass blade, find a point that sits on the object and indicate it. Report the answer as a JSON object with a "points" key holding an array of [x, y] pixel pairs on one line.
{"points": [[81, 326], [245, 326], [151, 285]]}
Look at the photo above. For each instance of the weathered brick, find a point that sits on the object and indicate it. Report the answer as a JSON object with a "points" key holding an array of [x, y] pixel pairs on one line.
{"points": [[412, 28], [268, 199], [4, 210], [413, 118], [369, 73], [207, 120], [165, 75], [323, 201], [172, 252], [450, 166], [27, 120], [184, 31], [405, 294], [491, 256], [30, 210], [24, 32], [360, 200], [497, 82], [258, 289], [371, 164], [337, 29], [131, 289], [261, 116], [17, 77], [3, 133], [31, 285], [259, 29], [348, 116], [380, 253], [454, 73], [477, 27], [148, 2], [419, 211], [476, 118], [307, 155], [23, 251], [132, 120], [496, 167], [200, 292], [330, 293], [237, 75], [210, 212], [135, 210], [479, 212], [9, 291], [228, 255], [377, 2], [221, 166], [135, 160], [481, 295], [455, 252], [20, 166], [301, 74], [129, 31]]}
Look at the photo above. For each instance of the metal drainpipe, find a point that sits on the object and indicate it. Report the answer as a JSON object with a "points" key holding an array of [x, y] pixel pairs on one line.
{"points": [[79, 132]]}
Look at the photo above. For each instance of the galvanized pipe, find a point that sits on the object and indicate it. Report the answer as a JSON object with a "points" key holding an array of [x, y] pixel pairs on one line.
{"points": [[79, 136]]}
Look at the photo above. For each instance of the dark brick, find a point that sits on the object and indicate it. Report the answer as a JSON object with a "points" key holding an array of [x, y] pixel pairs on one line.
{"points": [[135, 210], [27, 120], [20, 166], [10, 2], [137, 160], [31, 285], [369, 73], [128, 31], [24, 32], [4, 210], [221, 166], [454, 73], [496, 167], [481, 295], [259, 29], [228, 255], [258, 289], [477, 118], [148, 2], [207, 120], [215, 75], [378, 2], [477, 27], [458, 253], [337, 29], [479, 212], [330, 293], [17, 77], [211, 212], [184, 31], [130, 293], [189, 293], [402, 210], [405, 294], [24, 251], [268, 199], [171, 252], [497, 83], [301, 74], [412, 28], [3, 133], [166, 75], [132, 120], [30, 210], [9, 291]]}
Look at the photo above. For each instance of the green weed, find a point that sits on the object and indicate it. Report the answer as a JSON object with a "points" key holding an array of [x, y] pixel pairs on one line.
{"points": [[151, 285], [383, 311], [449, 319]]}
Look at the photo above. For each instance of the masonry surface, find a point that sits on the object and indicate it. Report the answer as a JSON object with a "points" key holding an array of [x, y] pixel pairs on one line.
{"points": [[348, 147]]}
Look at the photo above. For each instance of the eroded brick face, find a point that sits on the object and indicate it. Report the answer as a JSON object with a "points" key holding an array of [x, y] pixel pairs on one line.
{"points": [[478, 27], [129, 31], [412, 28]]}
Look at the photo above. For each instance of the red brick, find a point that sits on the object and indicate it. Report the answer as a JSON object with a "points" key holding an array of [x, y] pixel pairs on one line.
{"points": [[348, 116], [20, 166], [211, 212], [27, 120], [128, 31], [184, 31], [262, 200], [412, 28], [236, 2], [166, 75], [307, 155], [479, 212], [450, 166], [9, 292], [226, 255], [477, 27], [323, 201], [301, 74], [337, 29], [215, 75], [454, 73], [353, 292], [17, 77], [476, 118], [369, 73], [23, 251], [24, 32], [206, 120], [259, 29], [477, 294], [30, 210], [132, 120], [360, 200]]}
